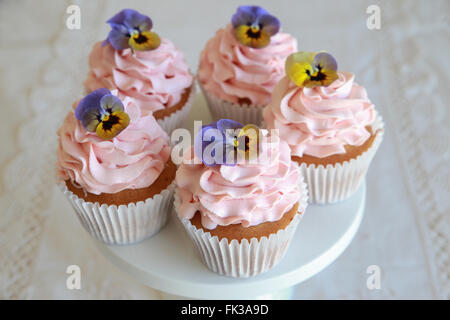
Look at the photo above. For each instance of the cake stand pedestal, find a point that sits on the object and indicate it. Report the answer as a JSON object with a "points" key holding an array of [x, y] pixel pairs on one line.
{"points": [[170, 263]]}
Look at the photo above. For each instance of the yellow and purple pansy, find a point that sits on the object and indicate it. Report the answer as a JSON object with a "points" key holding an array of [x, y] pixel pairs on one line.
{"points": [[310, 69], [130, 29], [103, 113], [227, 142], [253, 26]]}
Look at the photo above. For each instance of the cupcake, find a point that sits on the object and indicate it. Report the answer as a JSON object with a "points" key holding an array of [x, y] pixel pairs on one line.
{"points": [[242, 63], [143, 66], [329, 123], [242, 204], [113, 166]]}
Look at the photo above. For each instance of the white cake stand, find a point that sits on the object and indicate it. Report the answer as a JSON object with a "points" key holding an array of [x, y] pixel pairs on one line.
{"points": [[169, 262]]}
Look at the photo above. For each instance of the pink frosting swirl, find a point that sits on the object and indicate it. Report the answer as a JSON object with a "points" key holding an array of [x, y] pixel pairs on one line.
{"points": [[249, 194], [320, 121], [156, 79], [134, 159], [231, 70]]}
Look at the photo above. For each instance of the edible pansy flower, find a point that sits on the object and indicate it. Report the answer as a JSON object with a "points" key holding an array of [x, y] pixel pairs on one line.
{"points": [[247, 142], [226, 142], [130, 29], [253, 26], [309, 69], [102, 113]]}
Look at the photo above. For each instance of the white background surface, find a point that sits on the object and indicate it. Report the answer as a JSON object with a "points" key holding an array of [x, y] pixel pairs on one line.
{"points": [[404, 67]]}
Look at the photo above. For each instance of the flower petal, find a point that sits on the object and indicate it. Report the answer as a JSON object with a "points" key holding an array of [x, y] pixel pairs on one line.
{"points": [[270, 24], [257, 40], [112, 125], [132, 20], [249, 141], [117, 39], [299, 73], [92, 100], [326, 61], [120, 28], [213, 147], [254, 26], [144, 41], [119, 17], [123, 24], [262, 42], [207, 135], [111, 103], [326, 67], [214, 144], [225, 124], [135, 20], [330, 77], [91, 118], [300, 66], [249, 130], [300, 57], [245, 15], [242, 36]]}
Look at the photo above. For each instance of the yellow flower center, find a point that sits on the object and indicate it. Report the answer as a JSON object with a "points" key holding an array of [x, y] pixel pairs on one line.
{"points": [[254, 29], [105, 118], [145, 40], [112, 124], [252, 36]]}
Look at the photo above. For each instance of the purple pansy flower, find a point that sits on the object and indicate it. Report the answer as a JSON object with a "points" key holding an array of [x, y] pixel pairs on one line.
{"points": [[130, 29], [311, 69], [103, 113], [225, 142], [254, 26]]}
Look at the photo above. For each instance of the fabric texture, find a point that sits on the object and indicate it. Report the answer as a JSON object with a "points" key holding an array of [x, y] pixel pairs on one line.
{"points": [[405, 230]]}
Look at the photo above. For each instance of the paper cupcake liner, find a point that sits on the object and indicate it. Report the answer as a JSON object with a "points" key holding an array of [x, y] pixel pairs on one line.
{"points": [[245, 258], [337, 182], [177, 119], [124, 224], [243, 113]]}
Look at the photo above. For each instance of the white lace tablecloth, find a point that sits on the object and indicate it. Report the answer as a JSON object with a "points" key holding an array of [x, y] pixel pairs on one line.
{"points": [[404, 67]]}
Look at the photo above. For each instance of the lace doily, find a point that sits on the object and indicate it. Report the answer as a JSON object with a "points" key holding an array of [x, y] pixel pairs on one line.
{"points": [[417, 83], [405, 74]]}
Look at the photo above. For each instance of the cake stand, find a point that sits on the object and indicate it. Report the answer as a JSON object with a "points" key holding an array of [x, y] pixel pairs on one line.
{"points": [[170, 263]]}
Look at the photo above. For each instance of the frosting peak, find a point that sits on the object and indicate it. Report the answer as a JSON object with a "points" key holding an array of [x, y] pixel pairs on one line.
{"points": [[231, 70], [249, 194], [320, 121], [156, 79], [132, 160]]}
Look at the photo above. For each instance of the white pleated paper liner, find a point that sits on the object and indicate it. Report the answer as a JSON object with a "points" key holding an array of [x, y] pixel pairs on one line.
{"points": [[176, 119], [221, 109], [124, 224], [245, 258], [338, 182]]}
